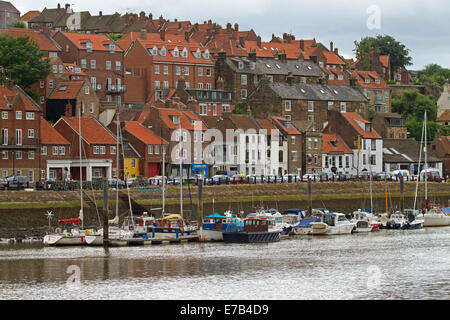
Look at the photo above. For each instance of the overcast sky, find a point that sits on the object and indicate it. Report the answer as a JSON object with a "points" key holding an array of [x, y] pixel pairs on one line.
{"points": [[423, 26]]}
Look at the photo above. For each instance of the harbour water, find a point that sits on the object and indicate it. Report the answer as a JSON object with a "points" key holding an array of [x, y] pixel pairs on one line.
{"points": [[389, 264]]}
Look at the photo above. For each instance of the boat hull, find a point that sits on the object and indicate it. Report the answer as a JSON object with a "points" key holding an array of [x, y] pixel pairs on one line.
{"points": [[251, 237], [321, 228], [436, 220], [210, 235], [301, 230], [61, 240]]}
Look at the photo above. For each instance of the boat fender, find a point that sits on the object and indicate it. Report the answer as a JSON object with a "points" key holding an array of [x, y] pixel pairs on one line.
{"points": [[58, 230], [86, 232]]}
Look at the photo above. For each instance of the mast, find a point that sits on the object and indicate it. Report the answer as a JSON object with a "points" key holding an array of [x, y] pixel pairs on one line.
{"points": [[385, 189], [117, 164], [163, 178], [181, 170], [418, 165], [370, 178], [81, 169], [426, 162]]}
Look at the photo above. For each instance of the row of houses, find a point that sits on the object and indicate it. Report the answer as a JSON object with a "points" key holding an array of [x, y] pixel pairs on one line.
{"points": [[328, 113]]}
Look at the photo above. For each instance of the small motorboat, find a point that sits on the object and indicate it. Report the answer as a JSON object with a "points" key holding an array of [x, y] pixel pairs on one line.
{"points": [[333, 223], [256, 230]]}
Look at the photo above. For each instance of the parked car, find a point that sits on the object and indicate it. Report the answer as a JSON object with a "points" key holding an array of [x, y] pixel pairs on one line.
{"points": [[17, 183], [312, 176], [112, 183], [218, 179], [3, 183], [156, 180], [342, 177], [395, 174], [237, 178], [432, 174], [252, 178], [290, 177]]}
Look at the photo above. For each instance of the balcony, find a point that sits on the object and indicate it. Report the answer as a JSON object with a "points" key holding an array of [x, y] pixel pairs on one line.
{"points": [[115, 88]]}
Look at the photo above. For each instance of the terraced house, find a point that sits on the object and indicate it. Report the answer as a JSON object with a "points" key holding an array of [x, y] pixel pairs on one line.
{"points": [[375, 89], [241, 75], [8, 13], [100, 58], [154, 62]]}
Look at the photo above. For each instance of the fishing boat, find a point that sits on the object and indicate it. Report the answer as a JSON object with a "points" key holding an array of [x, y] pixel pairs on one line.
{"points": [[365, 222], [171, 227], [275, 220], [256, 230], [332, 223], [215, 224], [304, 226], [398, 220]]}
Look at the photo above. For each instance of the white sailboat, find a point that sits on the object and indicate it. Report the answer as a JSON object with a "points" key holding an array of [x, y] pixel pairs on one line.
{"points": [[433, 216], [76, 235], [333, 223]]}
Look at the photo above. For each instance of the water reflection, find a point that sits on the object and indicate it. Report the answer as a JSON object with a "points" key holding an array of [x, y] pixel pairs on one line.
{"points": [[391, 264]]}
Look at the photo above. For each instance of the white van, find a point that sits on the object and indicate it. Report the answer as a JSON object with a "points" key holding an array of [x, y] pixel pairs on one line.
{"points": [[395, 174]]}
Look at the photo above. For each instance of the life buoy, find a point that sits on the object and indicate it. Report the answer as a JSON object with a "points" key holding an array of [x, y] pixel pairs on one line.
{"points": [[58, 230]]}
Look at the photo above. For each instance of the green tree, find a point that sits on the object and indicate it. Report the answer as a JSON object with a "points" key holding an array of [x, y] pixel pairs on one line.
{"points": [[115, 36], [415, 130], [18, 24], [399, 54], [433, 77], [22, 61], [413, 105]]}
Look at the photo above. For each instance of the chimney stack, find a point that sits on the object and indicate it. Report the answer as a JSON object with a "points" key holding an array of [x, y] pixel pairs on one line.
{"points": [[336, 51], [186, 36], [220, 85], [236, 27], [100, 13], [162, 35], [331, 46], [258, 41], [68, 8], [252, 55], [242, 41], [290, 78], [143, 34], [150, 16], [302, 45], [228, 27]]}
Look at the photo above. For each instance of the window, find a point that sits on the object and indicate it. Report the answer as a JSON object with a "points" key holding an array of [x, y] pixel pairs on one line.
{"points": [[29, 115], [331, 77], [118, 65], [166, 84], [31, 133], [364, 159], [97, 172], [200, 72], [133, 163], [202, 110], [44, 150], [41, 84], [208, 86], [343, 107], [373, 145], [93, 64], [86, 90], [18, 115], [4, 155], [91, 107], [156, 69], [55, 150], [31, 155], [287, 105], [373, 160], [150, 149], [309, 143], [178, 71], [112, 150], [347, 162], [294, 156], [55, 68], [19, 137], [166, 69], [340, 77], [310, 106], [243, 79], [310, 117], [102, 149], [240, 65], [187, 85], [157, 84], [186, 71], [83, 63], [244, 94], [316, 143], [96, 149], [67, 48], [330, 105], [19, 155], [108, 65], [293, 140], [270, 78], [208, 72]]}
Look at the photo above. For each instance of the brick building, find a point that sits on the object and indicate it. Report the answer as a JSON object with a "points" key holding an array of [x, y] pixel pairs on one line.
{"points": [[157, 61], [337, 157], [20, 132], [375, 89], [98, 148], [69, 97], [390, 125], [8, 13], [100, 58]]}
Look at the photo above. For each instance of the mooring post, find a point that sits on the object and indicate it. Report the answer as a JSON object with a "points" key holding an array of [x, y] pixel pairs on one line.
{"points": [[105, 215], [309, 197], [402, 197], [200, 202]]}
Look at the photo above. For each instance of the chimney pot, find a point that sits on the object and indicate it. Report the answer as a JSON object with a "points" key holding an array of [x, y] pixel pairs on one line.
{"points": [[331, 46], [236, 27], [100, 13]]}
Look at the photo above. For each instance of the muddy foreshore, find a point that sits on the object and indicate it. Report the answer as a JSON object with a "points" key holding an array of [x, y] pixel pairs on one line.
{"points": [[23, 213]]}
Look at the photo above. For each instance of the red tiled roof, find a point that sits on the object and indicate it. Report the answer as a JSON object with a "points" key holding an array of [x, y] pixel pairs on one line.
{"points": [[333, 58], [338, 145], [91, 130], [14, 96], [353, 118], [142, 133], [100, 42], [266, 124], [72, 88], [186, 118], [45, 44], [372, 75], [445, 116], [290, 130], [270, 49], [30, 15], [50, 135]]}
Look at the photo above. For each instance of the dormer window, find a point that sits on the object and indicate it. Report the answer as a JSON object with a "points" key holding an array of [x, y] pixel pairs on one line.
{"points": [[112, 47], [377, 81], [340, 77], [176, 52], [368, 128], [367, 80], [89, 45], [163, 51], [184, 53], [155, 51], [252, 65], [175, 119], [206, 54], [198, 54], [240, 65]]}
